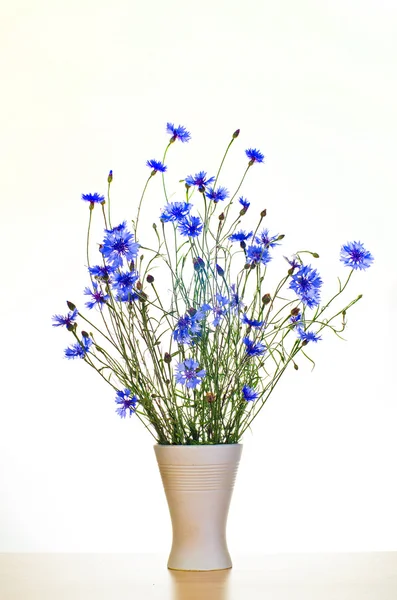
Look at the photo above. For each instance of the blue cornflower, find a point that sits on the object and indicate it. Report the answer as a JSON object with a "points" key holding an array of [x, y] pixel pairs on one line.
{"points": [[198, 264], [123, 283], [249, 394], [219, 270], [68, 321], [178, 133], [254, 155], [101, 272], [296, 318], [97, 295], [306, 284], [219, 309], [236, 303], [293, 263], [251, 322], [354, 255], [188, 373], [220, 194], [175, 211], [200, 180], [254, 349], [127, 402], [244, 203], [266, 240], [186, 328], [307, 336], [79, 350], [93, 198], [156, 165], [119, 244], [240, 236], [191, 226], [200, 314], [258, 254]]}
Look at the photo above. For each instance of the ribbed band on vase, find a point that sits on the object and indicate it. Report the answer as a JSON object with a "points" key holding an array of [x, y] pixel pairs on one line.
{"points": [[191, 478]]}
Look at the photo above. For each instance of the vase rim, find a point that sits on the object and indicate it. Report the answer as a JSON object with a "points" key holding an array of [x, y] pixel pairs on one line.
{"points": [[195, 445]]}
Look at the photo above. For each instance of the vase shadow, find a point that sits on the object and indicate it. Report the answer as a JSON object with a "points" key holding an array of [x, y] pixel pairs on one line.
{"points": [[200, 585]]}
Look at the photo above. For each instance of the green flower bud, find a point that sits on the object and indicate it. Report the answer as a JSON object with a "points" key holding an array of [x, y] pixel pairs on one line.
{"points": [[71, 306]]}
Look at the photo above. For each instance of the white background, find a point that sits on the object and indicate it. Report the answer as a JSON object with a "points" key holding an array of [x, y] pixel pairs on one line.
{"points": [[87, 87]]}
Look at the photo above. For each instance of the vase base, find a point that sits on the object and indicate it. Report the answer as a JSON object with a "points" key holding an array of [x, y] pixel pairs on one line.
{"points": [[198, 570]]}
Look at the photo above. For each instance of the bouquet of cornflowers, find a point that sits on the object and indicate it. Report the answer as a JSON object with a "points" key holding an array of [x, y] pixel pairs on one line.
{"points": [[198, 366]]}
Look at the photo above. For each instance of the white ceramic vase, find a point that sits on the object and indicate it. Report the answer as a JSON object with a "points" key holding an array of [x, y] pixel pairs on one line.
{"points": [[198, 483]]}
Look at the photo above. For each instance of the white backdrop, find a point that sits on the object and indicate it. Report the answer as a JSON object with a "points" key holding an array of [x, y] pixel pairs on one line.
{"points": [[87, 87]]}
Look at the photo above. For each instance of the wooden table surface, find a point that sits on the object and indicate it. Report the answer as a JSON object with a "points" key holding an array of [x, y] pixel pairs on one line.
{"points": [[361, 576]]}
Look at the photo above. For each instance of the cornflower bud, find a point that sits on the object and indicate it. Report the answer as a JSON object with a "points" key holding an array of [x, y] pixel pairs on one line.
{"points": [[219, 270], [85, 334], [143, 296], [110, 176], [221, 216], [295, 311], [236, 133], [263, 213], [296, 366], [281, 236], [247, 266], [71, 306], [266, 299], [167, 358], [138, 285], [150, 278], [198, 263], [315, 255]]}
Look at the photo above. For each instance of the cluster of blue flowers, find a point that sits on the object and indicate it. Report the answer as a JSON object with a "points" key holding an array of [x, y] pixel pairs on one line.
{"points": [[118, 249], [118, 273]]}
